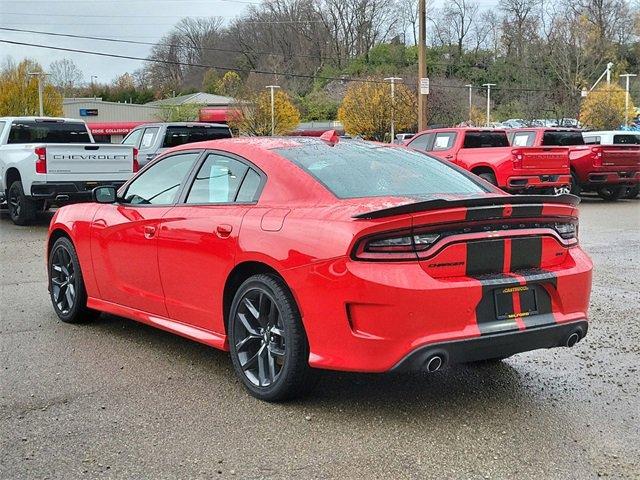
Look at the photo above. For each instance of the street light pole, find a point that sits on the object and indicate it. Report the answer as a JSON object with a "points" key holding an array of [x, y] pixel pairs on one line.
{"points": [[39, 75], [422, 63], [273, 107], [93, 85], [626, 97], [393, 105], [469, 87], [488, 85]]}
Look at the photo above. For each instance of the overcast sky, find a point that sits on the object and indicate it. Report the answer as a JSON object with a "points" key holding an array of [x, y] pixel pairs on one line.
{"points": [[144, 20]]}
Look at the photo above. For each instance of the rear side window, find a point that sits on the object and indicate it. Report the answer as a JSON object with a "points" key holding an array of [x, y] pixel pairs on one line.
{"points": [[359, 169], [222, 179], [485, 140], [561, 139], [160, 183], [149, 137], [27, 131], [523, 139], [180, 135], [591, 140], [628, 139]]}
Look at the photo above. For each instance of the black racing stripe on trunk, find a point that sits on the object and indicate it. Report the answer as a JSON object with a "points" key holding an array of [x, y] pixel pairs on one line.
{"points": [[526, 253], [486, 256], [485, 213], [534, 210]]}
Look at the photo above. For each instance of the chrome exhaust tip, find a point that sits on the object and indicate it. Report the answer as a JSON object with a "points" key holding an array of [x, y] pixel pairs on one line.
{"points": [[572, 339], [434, 363]]}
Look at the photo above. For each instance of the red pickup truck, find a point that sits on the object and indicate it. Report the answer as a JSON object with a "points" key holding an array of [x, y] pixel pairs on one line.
{"points": [[488, 153], [607, 169]]}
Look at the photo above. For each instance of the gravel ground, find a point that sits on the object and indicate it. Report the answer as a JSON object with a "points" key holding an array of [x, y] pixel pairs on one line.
{"points": [[117, 399]]}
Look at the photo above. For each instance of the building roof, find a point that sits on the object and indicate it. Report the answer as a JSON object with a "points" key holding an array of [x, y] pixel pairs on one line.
{"points": [[199, 98]]}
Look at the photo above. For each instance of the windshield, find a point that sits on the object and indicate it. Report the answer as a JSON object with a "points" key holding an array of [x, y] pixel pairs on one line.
{"points": [[32, 131], [359, 169], [180, 135], [561, 139]]}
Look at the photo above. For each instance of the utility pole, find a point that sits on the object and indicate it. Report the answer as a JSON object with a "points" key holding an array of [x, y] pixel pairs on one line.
{"points": [[422, 63], [469, 87], [39, 75], [488, 85], [93, 85], [273, 108], [393, 105], [626, 97]]}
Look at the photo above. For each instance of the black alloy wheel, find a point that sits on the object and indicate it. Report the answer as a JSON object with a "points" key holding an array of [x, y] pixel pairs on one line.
{"points": [[268, 344], [22, 210], [610, 193], [66, 285]]}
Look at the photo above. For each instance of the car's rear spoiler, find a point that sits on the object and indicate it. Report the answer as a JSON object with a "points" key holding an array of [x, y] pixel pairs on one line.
{"points": [[440, 204]]}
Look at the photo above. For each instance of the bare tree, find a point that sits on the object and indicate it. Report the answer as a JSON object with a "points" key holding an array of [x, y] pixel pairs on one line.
{"points": [[65, 75]]}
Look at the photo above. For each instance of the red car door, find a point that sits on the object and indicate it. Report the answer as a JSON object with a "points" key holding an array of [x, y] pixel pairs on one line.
{"points": [[124, 236], [198, 239]]}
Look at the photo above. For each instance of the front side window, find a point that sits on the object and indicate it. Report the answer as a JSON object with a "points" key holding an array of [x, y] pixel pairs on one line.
{"points": [[48, 131], [359, 169], [523, 139], [133, 138], [160, 183], [421, 142], [222, 179]]}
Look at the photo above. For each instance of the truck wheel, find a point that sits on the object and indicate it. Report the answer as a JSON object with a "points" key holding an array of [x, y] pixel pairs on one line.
{"points": [[22, 209], [632, 192], [610, 193], [575, 185], [489, 177]]}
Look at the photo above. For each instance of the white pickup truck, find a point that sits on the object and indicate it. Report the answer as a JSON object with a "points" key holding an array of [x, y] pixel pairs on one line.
{"points": [[54, 161]]}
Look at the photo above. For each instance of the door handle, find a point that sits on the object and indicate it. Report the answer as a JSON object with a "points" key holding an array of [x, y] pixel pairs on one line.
{"points": [[224, 230], [448, 157], [149, 232]]}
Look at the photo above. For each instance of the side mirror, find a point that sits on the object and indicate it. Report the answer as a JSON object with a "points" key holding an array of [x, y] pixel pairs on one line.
{"points": [[105, 194]]}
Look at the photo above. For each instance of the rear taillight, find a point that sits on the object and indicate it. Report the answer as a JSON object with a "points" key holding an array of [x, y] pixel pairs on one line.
{"points": [[397, 246], [597, 156], [568, 231], [517, 158], [136, 165], [41, 159]]}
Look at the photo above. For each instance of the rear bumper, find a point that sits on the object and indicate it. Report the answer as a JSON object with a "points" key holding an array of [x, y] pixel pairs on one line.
{"points": [[523, 182], [67, 192], [624, 177], [493, 346]]}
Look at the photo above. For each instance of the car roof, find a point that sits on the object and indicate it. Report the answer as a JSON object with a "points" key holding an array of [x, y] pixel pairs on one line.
{"points": [[183, 124]]}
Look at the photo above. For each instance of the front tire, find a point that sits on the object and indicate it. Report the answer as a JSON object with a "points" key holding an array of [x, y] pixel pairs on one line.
{"points": [[610, 193], [22, 209], [268, 344], [66, 285]]}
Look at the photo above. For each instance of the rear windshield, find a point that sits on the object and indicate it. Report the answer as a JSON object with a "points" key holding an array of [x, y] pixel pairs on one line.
{"points": [[31, 131], [561, 139], [485, 140], [359, 169], [629, 139], [180, 135]]}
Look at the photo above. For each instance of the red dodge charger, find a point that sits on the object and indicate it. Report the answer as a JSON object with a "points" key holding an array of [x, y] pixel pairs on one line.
{"points": [[299, 254]]}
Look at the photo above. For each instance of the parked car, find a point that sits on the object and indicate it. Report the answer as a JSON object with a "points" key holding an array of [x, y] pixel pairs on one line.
{"points": [[487, 153], [616, 137], [303, 253], [152, 139], [514, 123], [48, 161], [607, 169]]}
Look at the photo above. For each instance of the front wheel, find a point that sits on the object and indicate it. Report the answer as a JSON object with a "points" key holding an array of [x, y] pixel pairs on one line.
{"points": [[66, 285], [268, 344], [610, 193], [22, 209]]}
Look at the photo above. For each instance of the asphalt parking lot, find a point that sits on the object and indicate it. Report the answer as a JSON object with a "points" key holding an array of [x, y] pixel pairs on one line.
{"points": [[117, 399]]}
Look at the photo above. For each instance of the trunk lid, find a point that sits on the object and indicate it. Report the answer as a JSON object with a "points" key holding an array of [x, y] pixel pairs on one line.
{"points": [[540, 158]]}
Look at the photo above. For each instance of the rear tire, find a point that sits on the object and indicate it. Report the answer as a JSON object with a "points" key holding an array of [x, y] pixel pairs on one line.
{"points": [[268, 344], [22, 209], [632, 192], [610, 193], [489, 177], [575, 185], [66, 285]]}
